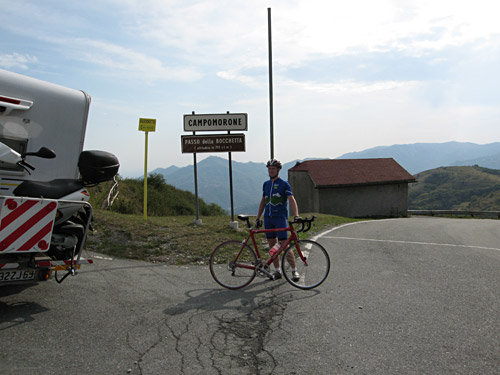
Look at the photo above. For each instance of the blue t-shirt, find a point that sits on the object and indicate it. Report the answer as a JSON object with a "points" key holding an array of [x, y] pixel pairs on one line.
{"points": [[276, 194]]}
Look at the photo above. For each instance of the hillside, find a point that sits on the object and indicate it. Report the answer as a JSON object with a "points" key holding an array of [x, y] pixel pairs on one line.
{"points": [[163, 199], [457, 188]]}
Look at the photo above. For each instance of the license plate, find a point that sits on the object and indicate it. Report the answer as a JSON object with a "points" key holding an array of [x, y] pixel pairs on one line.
{"points": [[17, 275]]}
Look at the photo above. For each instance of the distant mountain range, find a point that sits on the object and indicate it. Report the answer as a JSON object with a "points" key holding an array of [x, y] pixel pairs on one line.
{"points": [[213, 172], [213, 182], [419, 157]]}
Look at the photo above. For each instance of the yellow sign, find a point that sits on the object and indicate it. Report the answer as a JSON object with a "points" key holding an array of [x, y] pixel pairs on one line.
{"points": [[147, 124]]}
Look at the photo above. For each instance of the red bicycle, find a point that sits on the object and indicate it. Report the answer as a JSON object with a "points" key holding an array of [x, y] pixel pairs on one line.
{"points": [[235, 264]]}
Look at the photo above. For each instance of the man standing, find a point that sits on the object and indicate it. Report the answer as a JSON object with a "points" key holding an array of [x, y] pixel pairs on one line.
{"points": [[276, 194]]}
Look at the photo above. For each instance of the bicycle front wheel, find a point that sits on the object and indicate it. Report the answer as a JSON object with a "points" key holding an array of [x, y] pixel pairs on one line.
{"points": [[232, 264], [312, 269]]}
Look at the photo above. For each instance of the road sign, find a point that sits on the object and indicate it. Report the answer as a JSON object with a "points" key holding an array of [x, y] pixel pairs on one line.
{"points": [[216, 122], [213, 143], [147, 124]]}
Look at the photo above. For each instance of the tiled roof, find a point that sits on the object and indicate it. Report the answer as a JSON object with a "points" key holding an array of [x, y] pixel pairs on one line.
{"points": [[340, 172]]}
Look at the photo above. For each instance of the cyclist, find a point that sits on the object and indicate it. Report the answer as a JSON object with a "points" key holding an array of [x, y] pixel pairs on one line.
{"points": [[276, 193]]}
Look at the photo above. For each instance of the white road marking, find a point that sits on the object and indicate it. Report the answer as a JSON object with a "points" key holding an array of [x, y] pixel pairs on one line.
{"points": [[315, 238], [325, 234], [100, 257], [415, 243]]}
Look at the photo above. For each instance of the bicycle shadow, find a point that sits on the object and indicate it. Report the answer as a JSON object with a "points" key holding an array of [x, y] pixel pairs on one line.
{"points": [[245, 300]]}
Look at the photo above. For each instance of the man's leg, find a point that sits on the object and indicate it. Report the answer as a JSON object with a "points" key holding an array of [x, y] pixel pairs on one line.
{"points": [[290, 257]]}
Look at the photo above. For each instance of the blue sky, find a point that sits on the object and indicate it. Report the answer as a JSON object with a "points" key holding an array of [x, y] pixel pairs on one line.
{"points": [[347, 75]]}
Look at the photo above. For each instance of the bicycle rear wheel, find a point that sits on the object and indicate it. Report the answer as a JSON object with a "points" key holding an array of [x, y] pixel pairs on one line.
{"points": [[232, 264], [313, 270]]}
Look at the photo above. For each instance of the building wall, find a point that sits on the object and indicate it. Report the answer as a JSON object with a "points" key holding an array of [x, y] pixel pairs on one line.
{"points": [[390, 200], [305, 194]]}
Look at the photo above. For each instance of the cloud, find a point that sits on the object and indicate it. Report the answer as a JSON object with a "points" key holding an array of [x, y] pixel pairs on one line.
{"points": [[385, 25], [204, 32], [67, 32], [121, 59], [16, 60], [313, 27], [229, 38], [343, 87], [247, 80]]}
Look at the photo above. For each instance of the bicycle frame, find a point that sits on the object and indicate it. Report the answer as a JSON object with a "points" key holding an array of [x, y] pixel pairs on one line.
{"points": [[284, 245]]}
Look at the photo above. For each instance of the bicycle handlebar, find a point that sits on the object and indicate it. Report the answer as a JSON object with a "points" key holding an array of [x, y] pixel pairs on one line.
{"points": [[304, 222]]}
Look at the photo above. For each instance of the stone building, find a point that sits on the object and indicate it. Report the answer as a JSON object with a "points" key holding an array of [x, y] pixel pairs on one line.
{"points": [[351, 187]]}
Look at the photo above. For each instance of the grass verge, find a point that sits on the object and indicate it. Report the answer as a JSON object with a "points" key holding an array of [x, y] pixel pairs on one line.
{"points": [[175, 239]]}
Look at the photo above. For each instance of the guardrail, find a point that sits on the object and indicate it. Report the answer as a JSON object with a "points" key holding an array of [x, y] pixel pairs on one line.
{"points": [[483, 214]]}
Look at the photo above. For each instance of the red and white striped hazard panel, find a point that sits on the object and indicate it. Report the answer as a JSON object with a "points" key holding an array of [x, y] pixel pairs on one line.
{"points": [[26, 224]]}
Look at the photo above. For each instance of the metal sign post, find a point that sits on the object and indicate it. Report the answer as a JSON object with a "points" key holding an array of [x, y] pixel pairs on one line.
{"points": [[271, 114], [231, 186], [197, 203], [233, 223], [146, 125]]}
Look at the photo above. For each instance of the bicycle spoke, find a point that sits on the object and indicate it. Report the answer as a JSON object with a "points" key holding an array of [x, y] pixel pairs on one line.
{"points": [[232, 264], [312, 270]]}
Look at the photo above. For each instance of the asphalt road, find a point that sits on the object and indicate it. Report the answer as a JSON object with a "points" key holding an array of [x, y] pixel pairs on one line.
{"points": [[405, 296]]}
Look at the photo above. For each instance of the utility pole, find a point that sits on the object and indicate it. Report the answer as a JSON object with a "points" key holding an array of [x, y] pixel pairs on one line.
{"points": [[270, 80]]}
